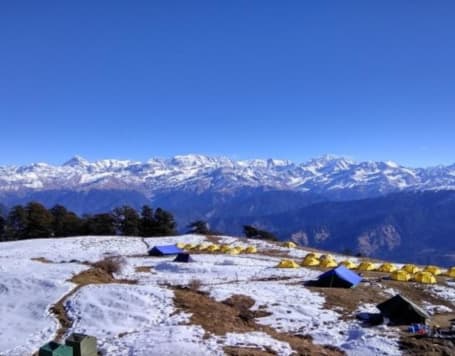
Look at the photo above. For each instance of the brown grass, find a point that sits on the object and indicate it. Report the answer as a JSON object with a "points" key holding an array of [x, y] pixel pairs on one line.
{"points": [[92, 276], [234, 315], [110, 264], [415, 346], [41, 259], [143, 269], [276, 278], [245, 351], [274, 253], [350, 299], [214, 239], [59, 311], [195, 284], [372, 292]]}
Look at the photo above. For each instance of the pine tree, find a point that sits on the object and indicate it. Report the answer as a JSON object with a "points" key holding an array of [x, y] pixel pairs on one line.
{"points": [[127, 221], [16, 223], [59, 213], [39, 221], [254, 233], [2, 228], [99, 224], [165, 223], [65, 223], [147, 222]]}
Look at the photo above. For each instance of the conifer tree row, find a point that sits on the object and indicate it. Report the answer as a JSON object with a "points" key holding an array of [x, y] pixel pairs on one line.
{"points": [[36, 221]]}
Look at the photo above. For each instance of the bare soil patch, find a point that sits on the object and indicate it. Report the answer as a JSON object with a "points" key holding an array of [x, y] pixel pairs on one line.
{"points": [[41, 259], [348, 300], [274, 253], [244, 351], [416, 346], [275, 279], [214, 239], [234, 315], [110, 264], [143, 269]]}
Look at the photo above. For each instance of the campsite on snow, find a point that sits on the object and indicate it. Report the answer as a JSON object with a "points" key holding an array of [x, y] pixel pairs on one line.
{"points": [[215, 295]]}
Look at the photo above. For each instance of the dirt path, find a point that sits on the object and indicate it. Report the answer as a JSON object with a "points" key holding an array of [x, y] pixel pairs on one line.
{"points": [[147, 246], [93, 275]]}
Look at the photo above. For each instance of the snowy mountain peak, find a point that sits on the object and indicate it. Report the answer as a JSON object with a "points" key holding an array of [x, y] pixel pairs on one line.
{"points": [[325, 175], [330, 159], [328, 163], [76, 161], [191, 160], [392, 164], [278, 162]]}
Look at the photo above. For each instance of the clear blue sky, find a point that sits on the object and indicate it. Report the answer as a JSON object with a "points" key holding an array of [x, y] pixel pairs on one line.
{"points": [[243, 79]]}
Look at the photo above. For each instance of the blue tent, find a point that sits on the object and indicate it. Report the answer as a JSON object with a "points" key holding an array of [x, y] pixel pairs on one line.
{"points": [[339, 277], [183, 257], [165, 250]]}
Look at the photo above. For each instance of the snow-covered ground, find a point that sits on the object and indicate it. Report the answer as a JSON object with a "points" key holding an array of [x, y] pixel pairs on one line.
{"points": [[88, 248], [27, 291], [445, 292], [141, 319]]}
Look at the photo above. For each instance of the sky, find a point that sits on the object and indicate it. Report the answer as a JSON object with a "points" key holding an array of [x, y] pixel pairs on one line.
{"points": [[242, 79]]}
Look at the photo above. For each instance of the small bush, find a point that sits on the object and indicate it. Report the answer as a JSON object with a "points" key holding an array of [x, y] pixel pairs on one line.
{"points": [[110, 265], [194, 284]]}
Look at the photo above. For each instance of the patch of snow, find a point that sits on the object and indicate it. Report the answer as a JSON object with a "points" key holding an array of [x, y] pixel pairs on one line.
{"points": [[432, 309], [257, 340], [27, 291], [296, 309], [86, 248], [111, 309], [445, 292], [164, 340]]}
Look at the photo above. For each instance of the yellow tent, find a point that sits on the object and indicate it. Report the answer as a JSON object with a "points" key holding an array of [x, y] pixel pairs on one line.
{"points": [[240, 249], [225, 248], [400, 275], [326, 257], [348, 264], [310, 261], [251, 249], [450, 272], [289, 244], [180, 245], [410, 268], [434, 270], [424, 277], [312, 254], [387, 267], [213, 248], [366, 266], [198, 247], [328, 263], [287, 264], [188, 246]]}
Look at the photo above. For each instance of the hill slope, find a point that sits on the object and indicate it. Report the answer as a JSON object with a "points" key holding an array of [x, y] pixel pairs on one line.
{"points": [[146, 308], [408, 226]]}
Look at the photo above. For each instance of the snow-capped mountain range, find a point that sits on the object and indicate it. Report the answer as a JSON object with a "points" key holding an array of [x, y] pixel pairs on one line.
{"points": [[379, 209], [197, 173]]}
